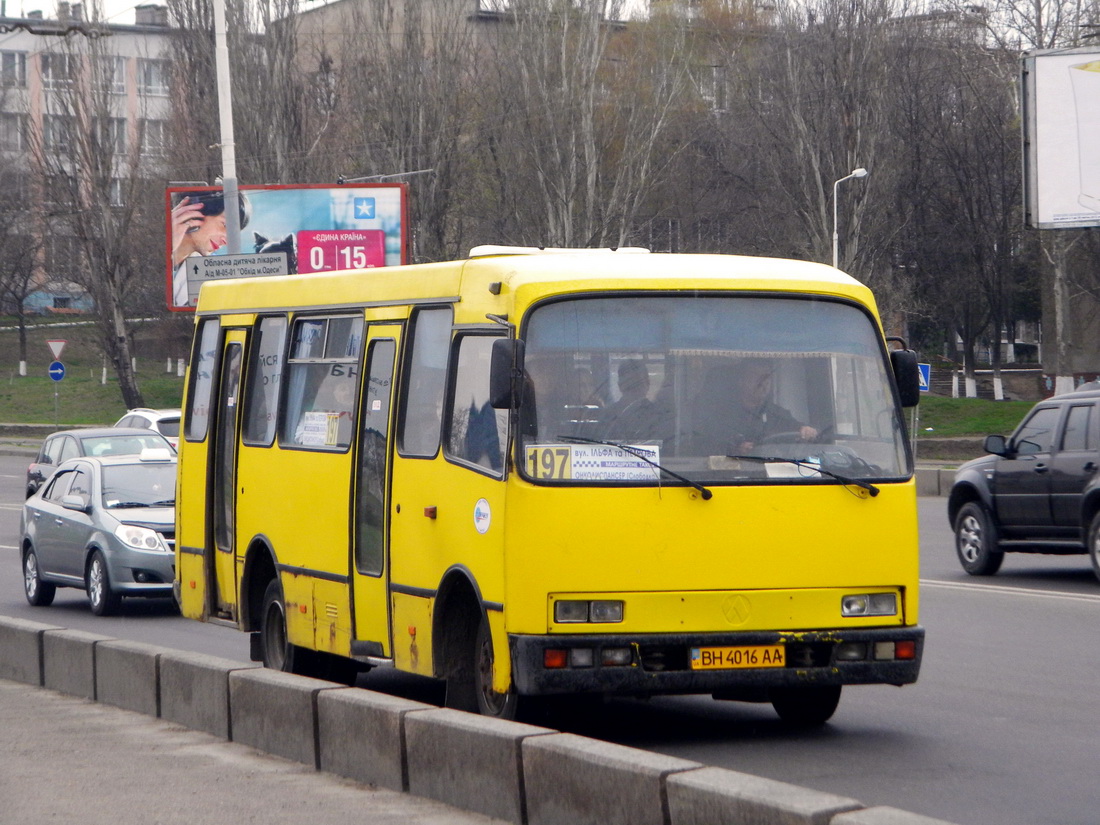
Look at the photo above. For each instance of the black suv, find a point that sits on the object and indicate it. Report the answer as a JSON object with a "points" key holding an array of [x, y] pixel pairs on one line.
{"points": [[1038, 491]]}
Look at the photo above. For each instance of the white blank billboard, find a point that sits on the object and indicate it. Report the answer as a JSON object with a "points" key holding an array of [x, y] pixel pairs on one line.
{"points": [[1061, 109]]}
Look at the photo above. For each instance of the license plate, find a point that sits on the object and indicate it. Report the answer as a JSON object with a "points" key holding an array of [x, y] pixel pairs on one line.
{"points": [[725, 658]]}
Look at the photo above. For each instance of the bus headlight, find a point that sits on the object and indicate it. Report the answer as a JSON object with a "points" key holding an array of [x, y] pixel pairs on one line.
{"points": [[575, 611], [869, 604]]}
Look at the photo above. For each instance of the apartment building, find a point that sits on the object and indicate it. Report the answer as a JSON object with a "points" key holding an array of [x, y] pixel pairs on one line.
{"points": [[74, 90]]}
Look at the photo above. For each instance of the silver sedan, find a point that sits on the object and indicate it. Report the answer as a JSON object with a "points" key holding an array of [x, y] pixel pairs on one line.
{"points": [[105, 525]]}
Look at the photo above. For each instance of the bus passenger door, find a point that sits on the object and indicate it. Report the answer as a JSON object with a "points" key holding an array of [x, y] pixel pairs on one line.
{"points": [[223, 483], [370, 527]]}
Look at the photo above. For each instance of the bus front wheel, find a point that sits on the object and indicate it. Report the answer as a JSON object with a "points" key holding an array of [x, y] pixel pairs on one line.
{"points": [[489, 702], [806, 706]]}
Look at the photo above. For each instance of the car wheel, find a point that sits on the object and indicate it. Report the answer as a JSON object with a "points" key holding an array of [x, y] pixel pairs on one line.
{"points": [[104, 600], [38, 592], [806, 706], [1094, 544], [976, 540]]}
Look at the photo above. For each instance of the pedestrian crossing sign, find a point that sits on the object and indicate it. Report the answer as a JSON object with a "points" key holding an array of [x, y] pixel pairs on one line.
{"points": [[925, 376]]}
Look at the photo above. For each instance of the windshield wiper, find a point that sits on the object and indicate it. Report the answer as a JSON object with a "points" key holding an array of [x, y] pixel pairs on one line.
{"points": [[634, 451], [121, 505], [812, 465]]}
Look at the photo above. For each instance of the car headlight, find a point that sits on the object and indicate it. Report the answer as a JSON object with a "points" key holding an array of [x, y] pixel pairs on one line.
{"points": [[869, 604], [140, 538]]}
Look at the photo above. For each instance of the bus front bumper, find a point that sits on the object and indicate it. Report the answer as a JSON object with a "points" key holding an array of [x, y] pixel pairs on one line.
{"points": [[720, 663]]}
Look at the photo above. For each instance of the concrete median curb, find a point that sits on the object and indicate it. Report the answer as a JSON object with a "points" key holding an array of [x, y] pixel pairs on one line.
{"points": [[515, 772]]}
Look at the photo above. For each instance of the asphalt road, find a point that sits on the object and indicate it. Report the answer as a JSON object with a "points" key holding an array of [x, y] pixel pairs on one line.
{"points": [[1001, 728]]}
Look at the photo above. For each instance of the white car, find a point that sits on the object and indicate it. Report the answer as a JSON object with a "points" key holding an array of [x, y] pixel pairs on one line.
{"points": [[165, 422]]}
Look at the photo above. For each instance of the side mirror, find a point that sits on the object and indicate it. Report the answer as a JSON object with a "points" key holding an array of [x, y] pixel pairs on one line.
{"points": [[75, 502], [506, 373], [997, 445], [906, 376]]}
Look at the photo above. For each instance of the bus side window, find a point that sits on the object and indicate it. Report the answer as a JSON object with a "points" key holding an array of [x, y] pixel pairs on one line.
{"points": [[476, 432], [204, 361], [264, 373], [425, 382]]}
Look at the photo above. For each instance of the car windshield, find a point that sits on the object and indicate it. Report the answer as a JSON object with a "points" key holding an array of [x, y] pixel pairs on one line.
{"points": [[139, 485], [720, 389], [121, 445]]}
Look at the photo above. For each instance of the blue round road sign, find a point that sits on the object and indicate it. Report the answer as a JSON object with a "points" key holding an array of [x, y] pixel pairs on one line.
{"points": [[57, 370]]}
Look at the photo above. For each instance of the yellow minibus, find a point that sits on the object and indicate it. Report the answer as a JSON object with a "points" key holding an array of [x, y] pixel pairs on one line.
{"points": [[542, 472]]}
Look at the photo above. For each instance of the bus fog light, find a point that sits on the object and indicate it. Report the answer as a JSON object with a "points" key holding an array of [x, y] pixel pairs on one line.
{"points": [[554, 659], [570, 611], [884, 651], [617, 656], [851, 651], [606, 611], [581, 657]]}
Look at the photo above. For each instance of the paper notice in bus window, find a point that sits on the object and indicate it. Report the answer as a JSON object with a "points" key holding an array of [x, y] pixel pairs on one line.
{"points": [[592, 462], [781, 469], [317, 429]]}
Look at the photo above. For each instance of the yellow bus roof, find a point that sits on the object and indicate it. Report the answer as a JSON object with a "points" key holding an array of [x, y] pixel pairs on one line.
{"points": [[512, 280]]}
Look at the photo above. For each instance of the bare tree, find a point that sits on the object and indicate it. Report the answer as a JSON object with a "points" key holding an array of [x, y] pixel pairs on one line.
{"points": [[88, 156], [574, 141]]}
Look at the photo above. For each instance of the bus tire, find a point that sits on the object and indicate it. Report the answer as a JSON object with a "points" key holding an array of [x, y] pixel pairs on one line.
{"points": [[489, 702], [976, 540], [806, 707], [278, 652]]}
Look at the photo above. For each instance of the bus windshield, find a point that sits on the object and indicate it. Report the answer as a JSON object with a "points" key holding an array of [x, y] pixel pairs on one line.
{"points": [[722, 389]]}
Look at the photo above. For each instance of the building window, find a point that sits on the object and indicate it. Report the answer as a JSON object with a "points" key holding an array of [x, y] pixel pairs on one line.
{"points": [[13, 69], [13, 131], [152, 77], [154, 137], [59, 190], [111, 132], [116, 194], [62, 257], [57, 70], [56, 130], [111, 74]]}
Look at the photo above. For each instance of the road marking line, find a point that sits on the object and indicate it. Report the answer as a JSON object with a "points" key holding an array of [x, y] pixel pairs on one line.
{"points": [[7, 547], [1016, 591]]}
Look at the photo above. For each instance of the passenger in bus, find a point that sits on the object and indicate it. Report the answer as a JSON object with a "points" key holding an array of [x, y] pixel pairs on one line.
{"points": [[633, 417], [735, 411], [754, 416]]}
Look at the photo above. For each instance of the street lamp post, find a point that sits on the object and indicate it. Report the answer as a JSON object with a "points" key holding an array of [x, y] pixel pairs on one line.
{"points": [[855, 173]]}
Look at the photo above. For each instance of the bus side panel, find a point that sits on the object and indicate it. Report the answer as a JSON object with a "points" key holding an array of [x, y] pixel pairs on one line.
{"points": [[412, 642], [444, 516], [298, 501], [191, 532], [332, 617]]}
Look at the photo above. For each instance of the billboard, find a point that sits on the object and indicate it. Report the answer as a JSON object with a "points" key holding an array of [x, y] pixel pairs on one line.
{"points": [[290, 229], [1061, 109]]}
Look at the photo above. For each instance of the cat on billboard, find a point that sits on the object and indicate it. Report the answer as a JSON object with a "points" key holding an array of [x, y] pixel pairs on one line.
{"points": [[316, 228]]}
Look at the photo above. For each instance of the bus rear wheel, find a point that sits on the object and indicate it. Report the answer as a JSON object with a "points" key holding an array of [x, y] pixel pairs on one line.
{"points": [[806, 706], [278, 652]]}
